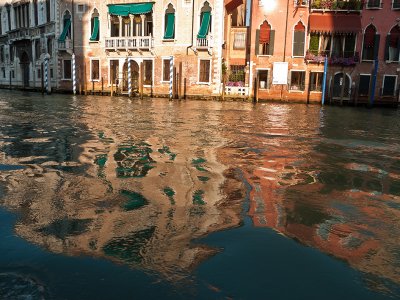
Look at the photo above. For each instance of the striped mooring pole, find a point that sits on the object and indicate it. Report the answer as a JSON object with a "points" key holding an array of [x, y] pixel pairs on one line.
{"points": [[171, 75], [73, 74], [129, 78], [46, 76]]}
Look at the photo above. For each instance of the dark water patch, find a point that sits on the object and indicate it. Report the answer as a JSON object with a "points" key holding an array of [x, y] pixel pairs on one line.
{"points": [[11, 167], [19, 286], [394, 188], [198, 197], [133, 160], [170, 194], [135, 200], [66, 227], [128, 248]]}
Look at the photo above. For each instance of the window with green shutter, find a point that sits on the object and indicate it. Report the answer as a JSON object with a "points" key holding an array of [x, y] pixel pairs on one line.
{"points": [[299, 35]]}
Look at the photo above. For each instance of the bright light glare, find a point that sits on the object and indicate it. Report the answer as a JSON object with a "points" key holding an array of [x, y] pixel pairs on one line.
{"points": [[269, 5]]}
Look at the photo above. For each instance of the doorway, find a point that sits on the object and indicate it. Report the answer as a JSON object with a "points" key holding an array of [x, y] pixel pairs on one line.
{"points": [[134, 76], [24, 63]]}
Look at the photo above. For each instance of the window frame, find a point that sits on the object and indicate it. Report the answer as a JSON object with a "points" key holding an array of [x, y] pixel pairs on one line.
{"points": [[109, 69], [268, 85], [383, 85], [63, 69], [90, 69], [322, 79], [304, 78], [152, 72], [164, 58], [359, 80], [209, 72], [304, 42]]}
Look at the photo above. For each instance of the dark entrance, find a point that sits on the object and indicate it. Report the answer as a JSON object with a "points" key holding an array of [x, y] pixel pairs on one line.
{"points": [[24, 63], [134, 76], [341, 86]]}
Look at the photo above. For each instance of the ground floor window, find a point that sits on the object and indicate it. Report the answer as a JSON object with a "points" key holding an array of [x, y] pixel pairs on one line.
{"points": [[114, 71], [263, 79], [237, 73], [204, 71], [3, 70], [39, 75], [166, 70], [297, 80], [51, 73], [363, 85], [389, 85], [94, 69], [316, 81], [67, 69], [148, 72]]}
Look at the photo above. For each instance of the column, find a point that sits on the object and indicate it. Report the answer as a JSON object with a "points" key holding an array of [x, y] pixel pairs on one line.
{"points": [[120, 26], [143, 17], [132, 24]]}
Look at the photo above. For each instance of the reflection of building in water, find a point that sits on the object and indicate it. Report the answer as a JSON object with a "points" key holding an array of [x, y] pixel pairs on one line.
{"points": [[142, 200]]}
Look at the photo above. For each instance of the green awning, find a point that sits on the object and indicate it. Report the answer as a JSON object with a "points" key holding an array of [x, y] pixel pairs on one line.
{"points": [[205, 24], [95, 32], [127, 9], [169, 31], [65, 30]]}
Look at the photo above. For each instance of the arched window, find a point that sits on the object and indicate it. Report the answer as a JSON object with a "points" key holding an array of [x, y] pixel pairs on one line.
{"points": [[169, 21], [205, 21], [393, 44], [299, 36], [265, 39], [370, 43], [94, 26], [66, 33]]}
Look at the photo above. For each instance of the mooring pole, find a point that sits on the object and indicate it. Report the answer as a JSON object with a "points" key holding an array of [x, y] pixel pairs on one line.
{"points": [[129, 78], [73, 74], [373, 85], [324, 80], [171, 76]]}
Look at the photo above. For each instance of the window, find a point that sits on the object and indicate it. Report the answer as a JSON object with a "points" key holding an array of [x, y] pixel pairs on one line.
{"points": [[363, 86], [204, 71], [298, 39], [148, 72], [297, 80], [300, 3], [3, 70], [47, 11], [169, 23], [51, 73], [166, 70], [66, 33], [114, 26], [396, 4], [205, 21], [320, 44], [389, 85], [239, 41], [343, 45], [370, 43], [265, 39], [12, 74], [94, 69], [38, 50], [81, 8], [237, 73], [316, 81], [373, 4], [1, 54], [38, 72], [67, 69], [11, 53], [393, 44], [50, 46], [263, 82], [94, 26], [35, 11], [114, 71]]}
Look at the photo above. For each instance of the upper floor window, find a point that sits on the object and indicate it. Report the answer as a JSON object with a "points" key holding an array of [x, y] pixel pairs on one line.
{"points": [[35, 11], [48, 11], [393, 44], [320, 44], [205, 21], [239, 41], [396, 4], [66, 33], [169, 21], [300, 3], [265, 39], [94, 26], [370, 43], [343, 45], [374, 4], [298, 39]]}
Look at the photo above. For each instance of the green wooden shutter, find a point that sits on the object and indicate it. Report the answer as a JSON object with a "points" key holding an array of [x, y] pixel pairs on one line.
{"points": [[271, 42], [387, 47], [257, 41], [376, 45], [298, 43]]}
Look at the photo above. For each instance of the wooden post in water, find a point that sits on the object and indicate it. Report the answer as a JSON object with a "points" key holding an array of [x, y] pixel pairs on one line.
{"points": [[180, 81], [342, 88], [102, 86], [223, 88], [174, 88], [112, 85], [184, 88], [92, 87], [256, 89]]}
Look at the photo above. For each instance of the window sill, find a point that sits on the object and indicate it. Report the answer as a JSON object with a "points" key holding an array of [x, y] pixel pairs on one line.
{"points": [[373, 8], [94, 80], [66, 79], [203, 83], [168, 40], [264, 55], [367, 60], [301, 56], [392, 61], [316, 92], [94, 42], [296, 91], [395, 8], [164, 82]]}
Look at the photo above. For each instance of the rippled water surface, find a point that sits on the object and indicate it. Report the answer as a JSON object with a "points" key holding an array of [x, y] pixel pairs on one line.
{"points": [[111, 198]]}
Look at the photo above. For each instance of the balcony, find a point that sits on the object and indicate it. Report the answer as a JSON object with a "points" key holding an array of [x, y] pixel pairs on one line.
{"points": [[22, 34], [129, 43], [204, 44], [348, 58], [337, 5], [65, 45]]}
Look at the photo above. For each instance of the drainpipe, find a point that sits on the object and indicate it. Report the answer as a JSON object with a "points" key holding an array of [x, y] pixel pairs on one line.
{"points": [[191, 44]]}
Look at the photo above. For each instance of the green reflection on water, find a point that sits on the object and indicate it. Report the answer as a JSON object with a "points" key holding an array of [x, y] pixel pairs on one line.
{"points": [[198, 197], [135, 200]]}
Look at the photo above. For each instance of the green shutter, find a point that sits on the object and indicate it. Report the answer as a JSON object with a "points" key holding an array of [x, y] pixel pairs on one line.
{"points": [[95, 32], [387, 47], [205, 25], [271, 42], [298, 43], [65, 30], [257, 41], [170, 27], [127, 9], [376, 45]]}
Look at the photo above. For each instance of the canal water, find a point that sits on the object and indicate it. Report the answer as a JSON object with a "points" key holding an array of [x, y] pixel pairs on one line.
{"points": [[112, 198]]}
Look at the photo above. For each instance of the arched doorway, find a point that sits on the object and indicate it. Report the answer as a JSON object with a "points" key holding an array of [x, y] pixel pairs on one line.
{"points": [[24, 63], [134, 76], [341, 86]]}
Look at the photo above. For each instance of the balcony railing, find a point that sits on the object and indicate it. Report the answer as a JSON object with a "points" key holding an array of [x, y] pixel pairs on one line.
{"points": [[347, 58], [65, 45], [129, 43], [352, 5], [205, 43]]}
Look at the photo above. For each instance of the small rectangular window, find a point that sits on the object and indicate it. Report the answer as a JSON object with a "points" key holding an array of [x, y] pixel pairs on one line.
{"points": [[80, 8], [67, 72], [204, 72], [237, 73], [263, 79], [316, 81], [4, 72], [51, 73], [39, 74], [114, 71], [297, 80], [239, 41], [166, 70], [389, 85], [12, 74], [94, 69], [363, 85], [148, 72]]}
